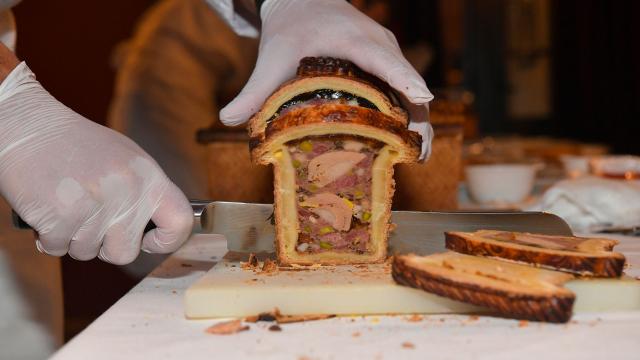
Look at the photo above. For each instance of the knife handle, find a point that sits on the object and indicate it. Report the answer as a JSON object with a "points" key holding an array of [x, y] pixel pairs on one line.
{"points": [[18, 223]]}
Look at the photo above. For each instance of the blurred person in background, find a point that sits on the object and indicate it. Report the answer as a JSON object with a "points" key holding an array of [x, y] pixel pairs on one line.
{"points": [[89, 191]]}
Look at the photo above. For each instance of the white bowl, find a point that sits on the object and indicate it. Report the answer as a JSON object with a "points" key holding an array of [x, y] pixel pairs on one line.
{"points": [[575, 165], [500, 183], [616, 166]]}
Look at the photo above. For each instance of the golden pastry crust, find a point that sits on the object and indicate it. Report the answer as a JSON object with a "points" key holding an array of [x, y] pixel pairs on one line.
{"points": [[386, 123], [582, 256], [326, 73], [517, 301]]}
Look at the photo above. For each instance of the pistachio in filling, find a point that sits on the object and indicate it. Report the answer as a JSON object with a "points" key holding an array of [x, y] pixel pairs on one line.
{"points": [[333, 192]]}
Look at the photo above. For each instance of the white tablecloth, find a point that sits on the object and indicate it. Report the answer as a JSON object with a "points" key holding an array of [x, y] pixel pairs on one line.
{"points": [[148, 323]]}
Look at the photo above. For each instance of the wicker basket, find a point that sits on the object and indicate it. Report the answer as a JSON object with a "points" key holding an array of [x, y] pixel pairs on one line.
{"points": [[232, 175], [433, 185]]}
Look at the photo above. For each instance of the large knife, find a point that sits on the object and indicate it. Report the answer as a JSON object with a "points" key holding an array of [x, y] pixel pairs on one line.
{"points": [[249, 227]]}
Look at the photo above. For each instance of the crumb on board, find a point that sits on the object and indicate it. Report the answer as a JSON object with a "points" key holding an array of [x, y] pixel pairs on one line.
{"points": [[227, 328], [186, 265], [297, 267], [276, 316], [269, 267], [523, 323], [414, 318], [356, 334], [286, 319], [408, 345], [275, 327], [251, 264]]}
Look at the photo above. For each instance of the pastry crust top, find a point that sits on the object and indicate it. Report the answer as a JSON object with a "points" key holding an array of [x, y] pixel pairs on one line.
{"points": [[583, 256], [339, 75]]}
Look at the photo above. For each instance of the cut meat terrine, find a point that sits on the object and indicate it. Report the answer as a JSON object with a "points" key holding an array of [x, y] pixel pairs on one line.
{"points": [[333, 138], [583, 256]]}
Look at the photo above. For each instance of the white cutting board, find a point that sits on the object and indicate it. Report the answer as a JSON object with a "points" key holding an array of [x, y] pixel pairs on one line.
{"points": [[227, 290]]}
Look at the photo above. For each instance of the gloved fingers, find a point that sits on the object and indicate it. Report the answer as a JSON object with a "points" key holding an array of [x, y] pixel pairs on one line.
{"points": [[121, 243], [54, 230], [387, 63], [419, 122], [174, 220], [276, 63], [86, 243], [54, 241]]}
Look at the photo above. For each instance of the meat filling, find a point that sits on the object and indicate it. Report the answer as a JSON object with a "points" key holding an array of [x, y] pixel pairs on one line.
{"points": [[333, 190]]}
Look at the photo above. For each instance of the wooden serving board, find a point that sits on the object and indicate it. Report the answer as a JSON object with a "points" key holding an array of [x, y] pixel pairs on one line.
{"points": [[228, 290]]}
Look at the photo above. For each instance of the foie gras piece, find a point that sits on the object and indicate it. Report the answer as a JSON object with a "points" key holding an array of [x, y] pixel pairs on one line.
{"points": [[578, 255], [333, 138], [512, 290]]}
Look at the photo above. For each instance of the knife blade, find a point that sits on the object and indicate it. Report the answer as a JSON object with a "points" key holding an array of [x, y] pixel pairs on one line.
{"points": [[249, 227]]}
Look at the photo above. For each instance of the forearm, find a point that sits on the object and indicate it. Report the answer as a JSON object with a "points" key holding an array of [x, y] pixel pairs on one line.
{"points": [[8, 62]]}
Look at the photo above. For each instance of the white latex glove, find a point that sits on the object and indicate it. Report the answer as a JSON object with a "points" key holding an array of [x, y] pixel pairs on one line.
{"points": [[87, 190], [293, 29]]}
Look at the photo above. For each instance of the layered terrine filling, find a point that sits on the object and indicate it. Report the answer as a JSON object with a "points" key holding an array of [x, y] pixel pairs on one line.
{"points": [[333, 192]]}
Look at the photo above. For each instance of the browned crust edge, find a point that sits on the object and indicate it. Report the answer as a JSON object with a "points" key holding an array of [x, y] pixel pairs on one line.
{"points": [[555, 309], [329, 114], [610, 266], [327, 67]]}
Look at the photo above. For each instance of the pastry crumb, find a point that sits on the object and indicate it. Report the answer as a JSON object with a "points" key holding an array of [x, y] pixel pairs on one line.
{"points": [[356, 334], [275, 327], [227, 328], [287, 319], [251, 264], [408, 345], [415, 318], [269, 267], [523, 323], [276, 316]]}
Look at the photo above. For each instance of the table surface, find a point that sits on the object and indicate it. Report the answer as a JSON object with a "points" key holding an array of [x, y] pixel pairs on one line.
{"points": [[148, 323]]}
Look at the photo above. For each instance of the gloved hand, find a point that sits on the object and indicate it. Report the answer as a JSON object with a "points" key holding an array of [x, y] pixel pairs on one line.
{"points": [[293, 29], [87, 190]]}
